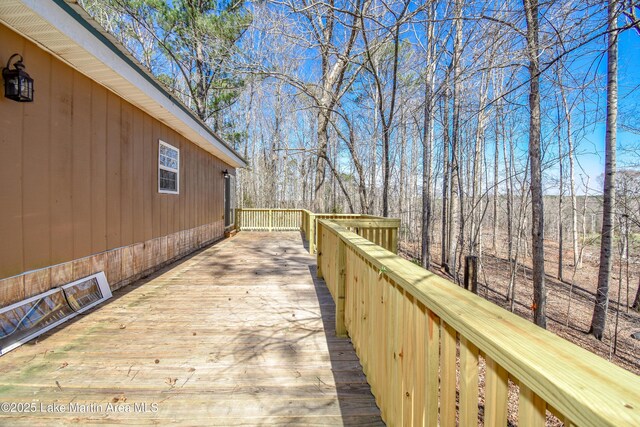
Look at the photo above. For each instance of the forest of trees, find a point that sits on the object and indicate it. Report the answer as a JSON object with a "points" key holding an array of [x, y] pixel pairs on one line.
{"points": [[468, 120]]}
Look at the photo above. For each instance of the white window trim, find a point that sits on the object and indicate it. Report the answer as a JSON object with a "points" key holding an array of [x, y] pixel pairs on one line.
{"points": [[177, 171]]}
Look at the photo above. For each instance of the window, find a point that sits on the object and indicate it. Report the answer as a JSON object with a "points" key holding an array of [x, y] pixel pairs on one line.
{"points": [[168, 169], [21, 322], [34, 316], [83, 295]]}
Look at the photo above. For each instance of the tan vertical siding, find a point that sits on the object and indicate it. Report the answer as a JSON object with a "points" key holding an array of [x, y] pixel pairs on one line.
{"points": [[11, 137], [148, 177], [80, 174], [98, 121], [82, 179], [164, 202], [156, 202], [126, 173], [36, 146], [138, 176], [60, 163]]}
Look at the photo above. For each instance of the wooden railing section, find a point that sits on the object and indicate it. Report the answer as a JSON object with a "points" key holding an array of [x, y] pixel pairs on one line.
{"points": [[268, 219], [422, 342], [382, 231]]}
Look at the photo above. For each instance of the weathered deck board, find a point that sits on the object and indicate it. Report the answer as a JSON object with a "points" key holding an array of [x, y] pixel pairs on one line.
{"points": [[238, 334]]}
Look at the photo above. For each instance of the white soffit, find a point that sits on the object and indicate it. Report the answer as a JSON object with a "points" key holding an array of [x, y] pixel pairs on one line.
{"points": [[66, 30]]}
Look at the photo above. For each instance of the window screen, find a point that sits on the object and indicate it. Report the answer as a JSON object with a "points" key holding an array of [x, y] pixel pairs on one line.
{"points": [[168, 168]]}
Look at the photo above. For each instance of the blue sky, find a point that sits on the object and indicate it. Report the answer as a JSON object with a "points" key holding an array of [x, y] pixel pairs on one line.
{"points": [[591, 148]]}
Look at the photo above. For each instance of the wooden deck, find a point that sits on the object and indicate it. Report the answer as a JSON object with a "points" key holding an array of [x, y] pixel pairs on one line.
{"points": [[241, 333]]}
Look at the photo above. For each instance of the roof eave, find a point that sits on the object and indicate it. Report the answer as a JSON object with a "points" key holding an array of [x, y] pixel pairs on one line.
{"points": [[63, 28]]}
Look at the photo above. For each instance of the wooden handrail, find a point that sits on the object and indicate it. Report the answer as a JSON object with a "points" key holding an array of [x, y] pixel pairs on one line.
{"points": [[382, 231], [407, 324]]}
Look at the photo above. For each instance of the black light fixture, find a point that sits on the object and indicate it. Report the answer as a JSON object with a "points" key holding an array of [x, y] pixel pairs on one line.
{"points": [[225, 173], [17, 83]]}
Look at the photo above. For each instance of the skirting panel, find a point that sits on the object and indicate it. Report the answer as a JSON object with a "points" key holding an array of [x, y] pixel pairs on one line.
{"points": [[122, 266]]}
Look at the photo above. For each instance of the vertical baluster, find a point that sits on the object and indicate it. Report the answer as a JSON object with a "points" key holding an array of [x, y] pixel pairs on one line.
{"points": [[388, 346], [432, 355], [367, 289], [407, 359], [319, 252], [468, 383], [341, 272], [396, 382], [496, 394], [394, 240], [348, 287], [531, 408], [448, 386], [374, 332], [421, 339]]}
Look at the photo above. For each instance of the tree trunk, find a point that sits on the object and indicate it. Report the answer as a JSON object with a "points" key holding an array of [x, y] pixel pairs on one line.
{"points": [[338, 181], [636, 300], [560, 196], [535, 154], [201, 92], [387, 121], [475, 235], [426, 178], [446, 166], [386, 171], [577, 259], [454, 220], [318, 204], [522, 218], [599, 318], [427, 147], [403, 151], [508, 167], [350, 141], [496, 177]]}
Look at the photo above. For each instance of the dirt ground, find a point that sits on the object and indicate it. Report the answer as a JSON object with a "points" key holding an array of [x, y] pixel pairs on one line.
{"points": [[569, 302]]}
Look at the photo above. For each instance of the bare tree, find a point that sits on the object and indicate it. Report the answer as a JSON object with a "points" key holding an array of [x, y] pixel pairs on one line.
{"points": [[599, 318], [427, 138], [386, 107], [535, 156], [454, 222]]}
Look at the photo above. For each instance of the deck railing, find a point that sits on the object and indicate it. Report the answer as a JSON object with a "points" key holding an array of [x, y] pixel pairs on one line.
{"points": [[268, 219], [421, 341], [381, 231]]}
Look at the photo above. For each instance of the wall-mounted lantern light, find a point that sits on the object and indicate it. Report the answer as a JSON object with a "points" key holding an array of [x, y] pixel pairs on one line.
{"points": [[225, 173], [17, 83]]}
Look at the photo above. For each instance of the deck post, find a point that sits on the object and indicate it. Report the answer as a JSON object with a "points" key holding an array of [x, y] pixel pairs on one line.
{"points": [[303, 224], [312, 233], [341, 275], [318, 227], [394, 240], [471, 273]]}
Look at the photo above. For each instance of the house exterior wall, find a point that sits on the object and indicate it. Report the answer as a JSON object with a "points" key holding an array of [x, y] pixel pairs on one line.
{"points": [[79, 188]]}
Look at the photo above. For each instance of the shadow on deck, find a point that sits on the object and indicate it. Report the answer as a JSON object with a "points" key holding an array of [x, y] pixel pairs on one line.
{"points": [[240, 333]]}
